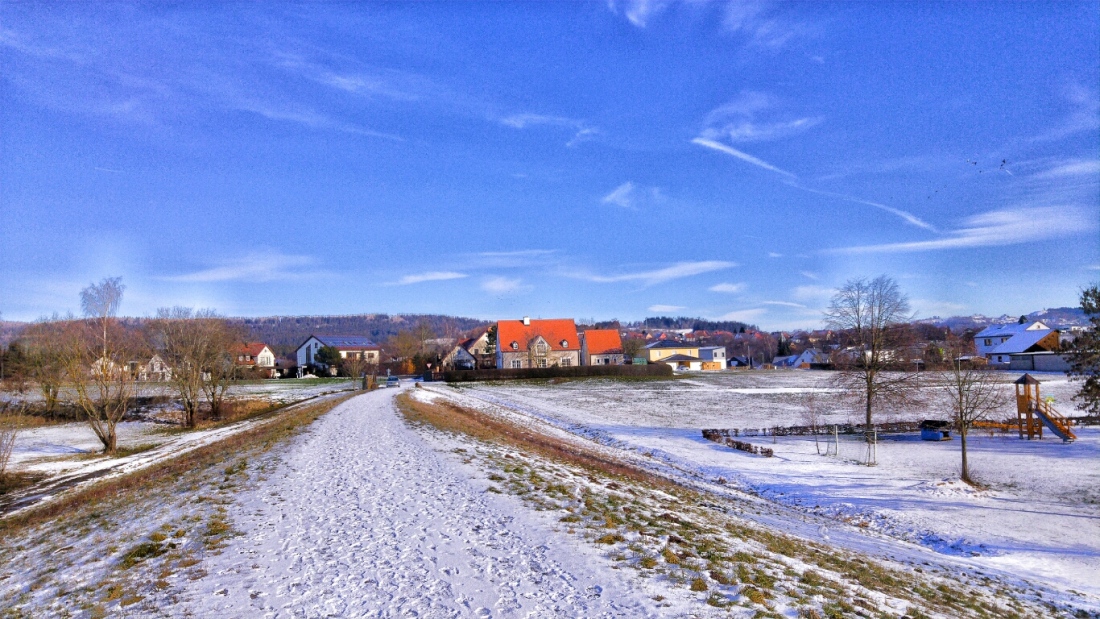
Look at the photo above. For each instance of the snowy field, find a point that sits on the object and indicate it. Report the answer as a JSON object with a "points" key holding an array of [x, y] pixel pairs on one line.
{"points": [[66, 447], [1038, 519]]}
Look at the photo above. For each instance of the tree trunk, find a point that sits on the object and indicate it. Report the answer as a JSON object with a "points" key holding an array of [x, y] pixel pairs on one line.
{"points": [[965, 476]]}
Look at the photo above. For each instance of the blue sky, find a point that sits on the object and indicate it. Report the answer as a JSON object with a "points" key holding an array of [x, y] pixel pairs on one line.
{"points": [[595, 160]]}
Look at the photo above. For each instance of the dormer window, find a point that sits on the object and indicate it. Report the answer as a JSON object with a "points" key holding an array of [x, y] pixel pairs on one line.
{"points": [[515, 345], [565, 343]]}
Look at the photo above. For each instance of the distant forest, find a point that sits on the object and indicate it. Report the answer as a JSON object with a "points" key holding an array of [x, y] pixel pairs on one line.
{"points": [[696, 324], [285, 333]]}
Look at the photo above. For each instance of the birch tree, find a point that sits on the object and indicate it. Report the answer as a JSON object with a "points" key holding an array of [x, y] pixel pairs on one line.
{"points": [[97, 354]]}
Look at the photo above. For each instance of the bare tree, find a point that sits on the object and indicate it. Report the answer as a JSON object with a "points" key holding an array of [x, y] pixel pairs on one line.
{"points": [[97, 355], [972, 390], [221, 367], [182, 339], [42, 344], [813, 415], [7, 436], [872, 315]]}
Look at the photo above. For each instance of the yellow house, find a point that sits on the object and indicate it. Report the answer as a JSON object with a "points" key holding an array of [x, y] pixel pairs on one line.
{"points": [[659, 350]]}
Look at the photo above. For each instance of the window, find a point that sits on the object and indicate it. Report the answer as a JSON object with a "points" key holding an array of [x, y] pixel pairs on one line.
{"points": [[566, 362], [515, 345], [542, 363], [565, 343], [516, 363], [988, 342]]}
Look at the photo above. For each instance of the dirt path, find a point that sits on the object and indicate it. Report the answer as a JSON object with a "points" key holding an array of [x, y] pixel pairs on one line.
{"points": [[364, 518]]}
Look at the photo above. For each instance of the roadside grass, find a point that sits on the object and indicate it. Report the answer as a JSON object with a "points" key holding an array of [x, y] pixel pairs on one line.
{"points": [[12, 482], [666, 531], [126, 544]]}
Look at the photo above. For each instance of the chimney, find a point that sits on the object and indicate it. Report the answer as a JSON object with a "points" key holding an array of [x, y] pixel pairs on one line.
{"points": [[527, 321]]}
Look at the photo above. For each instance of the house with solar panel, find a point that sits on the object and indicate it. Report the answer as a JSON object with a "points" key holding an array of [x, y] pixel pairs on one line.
{"points": [[350, 346]]}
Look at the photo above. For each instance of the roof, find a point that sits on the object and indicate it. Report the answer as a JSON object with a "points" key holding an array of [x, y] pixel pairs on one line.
{"points": [[252, 348], [1021, 342], [553, 330], [603, 341], [668, 344], [1009, 329], [1026, 379], [678, 358], [345, 342]]}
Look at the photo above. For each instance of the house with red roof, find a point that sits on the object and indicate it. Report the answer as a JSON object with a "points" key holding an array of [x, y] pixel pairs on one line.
{"points": [[537, 343], [255, 355], [602, 347]]}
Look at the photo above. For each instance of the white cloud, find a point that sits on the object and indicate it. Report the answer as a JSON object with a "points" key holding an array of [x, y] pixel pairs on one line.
{"points": [[748, 315], [1081, 167], [738, 120], [502, 285], [928, 307], [666, 308], [621, 196], [773, 254], [729, 288], [812, 293], [906, 216], [657, 276], [761, 27], [809, 274], [783, 304], [628, 195], [430, 276], [740, 155], [583, 132], [995, 228], [263, 266], [638, 12]]}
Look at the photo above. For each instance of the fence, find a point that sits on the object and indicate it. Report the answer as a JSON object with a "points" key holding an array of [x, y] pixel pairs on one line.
{"points": [[653, 371]]}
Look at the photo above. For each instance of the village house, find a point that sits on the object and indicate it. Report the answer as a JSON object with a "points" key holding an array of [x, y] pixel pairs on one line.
{"points": [[713, 357], [154, 370], [531, 343], [662, 349], [602, 347], [998, 343], [459, 358], [353, 346], [257, 356]]}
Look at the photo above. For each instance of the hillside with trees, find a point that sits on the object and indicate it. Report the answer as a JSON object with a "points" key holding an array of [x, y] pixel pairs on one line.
{"points": [[285, 333]]}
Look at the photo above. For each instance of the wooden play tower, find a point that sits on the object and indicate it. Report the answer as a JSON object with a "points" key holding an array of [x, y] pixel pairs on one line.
{"points": [[1032, 413]]}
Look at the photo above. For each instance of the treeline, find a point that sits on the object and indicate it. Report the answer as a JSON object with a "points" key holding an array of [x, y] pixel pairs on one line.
{"points": [[695, 324], [283, 334]]}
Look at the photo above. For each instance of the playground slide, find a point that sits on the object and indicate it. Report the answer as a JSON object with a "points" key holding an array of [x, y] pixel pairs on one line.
{"points": [[1056, 423]]}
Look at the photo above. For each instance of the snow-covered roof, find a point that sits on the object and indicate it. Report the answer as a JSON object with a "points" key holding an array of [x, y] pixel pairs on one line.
{"points": [[1020, 342], [1011, 329]]}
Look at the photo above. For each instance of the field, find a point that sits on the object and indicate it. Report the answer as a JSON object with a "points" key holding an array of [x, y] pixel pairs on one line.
{"points": [[1037, 517]]}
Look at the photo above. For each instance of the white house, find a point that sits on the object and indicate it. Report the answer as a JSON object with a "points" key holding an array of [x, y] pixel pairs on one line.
{"points": [[354, 346], [994, 335], [713, 354]]}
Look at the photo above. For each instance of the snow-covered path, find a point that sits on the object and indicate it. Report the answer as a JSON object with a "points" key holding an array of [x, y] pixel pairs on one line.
{"points": [[364, 518]]}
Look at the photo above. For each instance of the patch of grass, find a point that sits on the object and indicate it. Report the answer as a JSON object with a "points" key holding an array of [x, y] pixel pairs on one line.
{"points": [[610, 538], [699, 584], [123, 452], [12, 482], [141, 552]]}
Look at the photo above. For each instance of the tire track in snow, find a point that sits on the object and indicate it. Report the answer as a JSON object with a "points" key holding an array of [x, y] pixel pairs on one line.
{"points": [[363, 518]]}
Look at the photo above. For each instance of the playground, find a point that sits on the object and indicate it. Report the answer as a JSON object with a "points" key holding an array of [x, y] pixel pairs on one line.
{"points": [[1036, 516]]}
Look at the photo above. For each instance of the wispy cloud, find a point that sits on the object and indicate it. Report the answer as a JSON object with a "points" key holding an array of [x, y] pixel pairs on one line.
{"points": [[582, 131], [1079, 167], [727, 288], [658, 276], [638, 12], [666, 308], [628, 195], [510, 259], [1083, 115], [430, 276], [809, 275], [747, 315], [994, 228], [812, 292], [905, 216], [774, 254], [503, 285], [266, 266], [753, 117], [761, 25], [928, 307], [783, 304], [729, 150]]}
